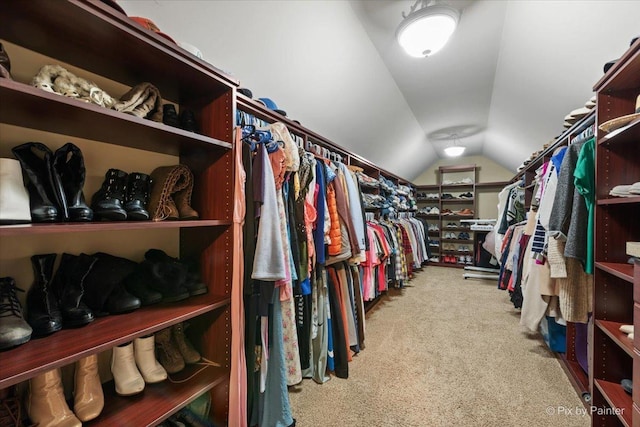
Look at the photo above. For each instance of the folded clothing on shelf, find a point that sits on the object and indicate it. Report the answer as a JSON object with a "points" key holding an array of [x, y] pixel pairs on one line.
{"points": [[626, 190]]}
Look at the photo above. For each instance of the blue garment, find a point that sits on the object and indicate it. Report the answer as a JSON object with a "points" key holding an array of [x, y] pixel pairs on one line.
{"points": [[557, 159], [318, 233]]}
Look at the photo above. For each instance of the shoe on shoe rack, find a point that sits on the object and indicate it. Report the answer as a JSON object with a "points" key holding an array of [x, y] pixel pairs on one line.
{"points": [[43, 310], [468, 260], [188, 120], [136, 198], [108, 202], [467, 195], [105, 292], [192, 279], [169, 355], [14, 329], [126, 376], [627, 385], [137, 284], [188, 352], [88, 397], [435, 211], [46, 405], [170, 116], [144, 350]]}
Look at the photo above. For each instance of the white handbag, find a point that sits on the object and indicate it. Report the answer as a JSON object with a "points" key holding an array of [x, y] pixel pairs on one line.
{"points": [[14, 199]]}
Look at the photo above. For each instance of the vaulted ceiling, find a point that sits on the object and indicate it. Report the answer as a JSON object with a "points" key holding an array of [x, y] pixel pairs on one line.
{"points": [[503, 84]]}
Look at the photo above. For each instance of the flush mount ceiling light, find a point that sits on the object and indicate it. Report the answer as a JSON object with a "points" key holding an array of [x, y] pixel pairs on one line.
{"points": [[425, 31], [455, 149]]}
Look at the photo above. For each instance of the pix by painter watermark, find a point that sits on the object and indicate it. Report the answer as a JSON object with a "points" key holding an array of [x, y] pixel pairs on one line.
{"points": [[582, 411]]}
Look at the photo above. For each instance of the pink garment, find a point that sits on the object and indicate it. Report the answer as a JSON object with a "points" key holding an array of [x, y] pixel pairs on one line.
{"points": [[238, 375]]}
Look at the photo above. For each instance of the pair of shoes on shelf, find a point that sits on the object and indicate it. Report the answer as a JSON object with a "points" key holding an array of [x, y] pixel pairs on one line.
{"points": [[464, 212], [186, 120], [54, 182], [133, 364], [161, 278], [463, 235], [123, 196], [467, 195], [174, 349], [171, 193], [83, 287], [46, 405]]}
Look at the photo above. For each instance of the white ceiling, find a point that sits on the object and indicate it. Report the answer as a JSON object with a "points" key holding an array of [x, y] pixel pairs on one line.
{"points": [[512, 71]]}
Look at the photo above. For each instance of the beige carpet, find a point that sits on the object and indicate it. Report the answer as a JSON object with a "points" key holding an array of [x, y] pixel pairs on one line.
{"points": [[444, 351]]}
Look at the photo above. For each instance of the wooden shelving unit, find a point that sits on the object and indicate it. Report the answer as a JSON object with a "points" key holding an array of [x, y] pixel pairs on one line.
{"points": [[98, 39], [617, 283]]}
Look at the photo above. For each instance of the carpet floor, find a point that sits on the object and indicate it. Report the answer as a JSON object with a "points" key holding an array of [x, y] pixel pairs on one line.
{"points": [[444, 351]]}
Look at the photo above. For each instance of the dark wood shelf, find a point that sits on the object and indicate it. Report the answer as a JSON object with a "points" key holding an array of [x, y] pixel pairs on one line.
{"points": [[68, 345], [629, 135], [578, 378], [453, 216], [619, 200], [617, 399], [612, 329], [465, 241], [83, 227], [623, 74], [152, 405], [458, 201], [27, 106], [424, 199], [87, 34], [494, 184], [457, 185], [623, 271], [427, 215]]}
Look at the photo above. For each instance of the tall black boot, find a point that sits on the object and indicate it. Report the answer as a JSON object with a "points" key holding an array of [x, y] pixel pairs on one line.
{"points": [[46, 198], [137, 197], [108, 202], [43, 312], [68, 163], [104, 286], [69, 284]]}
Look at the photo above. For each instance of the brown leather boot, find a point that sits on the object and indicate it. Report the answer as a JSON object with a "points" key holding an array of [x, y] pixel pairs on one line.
{"points": [[183, 201], [168, 354], [46, 405], [189, 354], [88, 396]]}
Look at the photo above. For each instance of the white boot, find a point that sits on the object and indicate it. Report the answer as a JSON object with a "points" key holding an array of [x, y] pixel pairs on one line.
{"points": [[125, 374], [14, 199], [145, 354]]}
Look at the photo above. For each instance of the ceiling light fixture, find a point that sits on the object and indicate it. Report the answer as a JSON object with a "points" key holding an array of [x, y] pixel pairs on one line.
{"points": [[425, 31], [456, 149]]}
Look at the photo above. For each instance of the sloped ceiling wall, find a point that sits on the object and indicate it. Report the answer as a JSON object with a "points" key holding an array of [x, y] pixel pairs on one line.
{"points": [[314, 59]]}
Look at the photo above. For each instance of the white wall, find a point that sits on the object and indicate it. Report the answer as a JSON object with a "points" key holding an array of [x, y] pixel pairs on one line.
{"points": [[313, 58]]}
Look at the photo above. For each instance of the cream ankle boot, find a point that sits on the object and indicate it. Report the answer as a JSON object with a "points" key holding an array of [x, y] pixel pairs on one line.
{"points": [[46, 405], [145, 354], [126, 376], [88, 399]]}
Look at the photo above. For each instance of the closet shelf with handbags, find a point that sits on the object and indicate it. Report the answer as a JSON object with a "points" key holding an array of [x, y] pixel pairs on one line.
{"points": [[158, 108]]}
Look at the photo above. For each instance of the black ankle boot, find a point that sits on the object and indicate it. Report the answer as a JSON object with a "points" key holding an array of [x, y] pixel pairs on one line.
{"points": [[104, 286], [69, 283], [138, 285], [68, 163], [137, 197], [166, 275], [108, 202], [43, 312], [188, 121], [170, 116], [14, 330], [46, 197]]}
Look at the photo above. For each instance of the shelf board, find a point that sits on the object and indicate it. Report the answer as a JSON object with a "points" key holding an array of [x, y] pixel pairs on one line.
{"points": [[630, 134], [619, 200], [612, 329], [26, 106], [463, 201], [68, 345], [494, 184], [467, 241], [617, 398], [623, 74], [456, 216], [456, 185], [576, 374], [623, 271], [81, 227], [157, 401], [427, 215]]}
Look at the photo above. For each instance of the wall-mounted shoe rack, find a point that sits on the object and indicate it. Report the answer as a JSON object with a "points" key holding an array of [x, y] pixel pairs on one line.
{"points": [[95, 38]]}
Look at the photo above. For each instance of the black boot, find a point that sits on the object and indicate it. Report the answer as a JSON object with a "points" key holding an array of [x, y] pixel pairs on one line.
{"points": [[166, 275], [69, 283], [137, 197], [138, 285], [68, 163], [188, 121], [191, 271], [170, 116], [43, 312], [14, 330], [46, 197], [108, 202], [104, 286]]}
